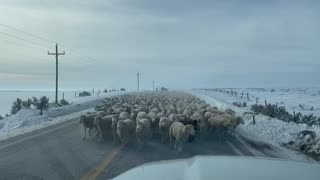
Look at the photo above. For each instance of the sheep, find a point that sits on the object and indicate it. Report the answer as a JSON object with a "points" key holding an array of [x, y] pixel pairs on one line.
{"points": [[230, 111], [125, 130], [236, 121], [208, 114], [143, 132], [141, 115], [88, 122], [124, 115], [104, 108], [224, 124], [180, 133], [198, 116], [173, 117], [154, 120], [161, 114], [134, 114], [202, 122], [101, 113], [103, 124], [118, 110], [164, 126], [185, 120], [114, 123], [155, 110]]}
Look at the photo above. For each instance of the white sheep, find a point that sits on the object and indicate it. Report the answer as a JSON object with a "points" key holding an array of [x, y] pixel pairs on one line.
{"points": [[224, 124], [180, 133], [143, 132], [124, 115], [101, 113], [230, 111], [164, 126], [173, 117], [125, 130], [114, 124], [141, 115]]}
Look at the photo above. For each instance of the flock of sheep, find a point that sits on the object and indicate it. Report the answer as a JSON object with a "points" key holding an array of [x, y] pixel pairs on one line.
{"points": [[173, 116]]}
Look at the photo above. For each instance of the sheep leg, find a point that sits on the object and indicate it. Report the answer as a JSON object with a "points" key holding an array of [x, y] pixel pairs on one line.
{"points": [[90, 131], [180, 147], [98, 131], [100, 136], [85, 133], [114, 137], [170, 141]]}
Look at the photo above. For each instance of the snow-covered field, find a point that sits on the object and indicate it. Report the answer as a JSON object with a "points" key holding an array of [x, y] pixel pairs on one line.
{"points": [[267, 129], [27, 120], [8, 96], [306, 100]]}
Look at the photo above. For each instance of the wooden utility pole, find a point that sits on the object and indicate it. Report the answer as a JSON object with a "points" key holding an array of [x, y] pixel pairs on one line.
{"points": [[57, 54], [138, 77], [153, 85]]}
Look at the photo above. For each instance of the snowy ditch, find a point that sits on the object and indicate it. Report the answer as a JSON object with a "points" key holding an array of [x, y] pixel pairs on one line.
{"points": [[300, 137], [28, 120]]}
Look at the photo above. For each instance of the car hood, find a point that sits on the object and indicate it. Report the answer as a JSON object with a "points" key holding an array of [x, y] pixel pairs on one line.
{"points": [[225, 168]]}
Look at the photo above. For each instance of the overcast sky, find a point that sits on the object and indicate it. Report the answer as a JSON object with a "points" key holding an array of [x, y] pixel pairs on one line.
{"points": [[176, 43]]}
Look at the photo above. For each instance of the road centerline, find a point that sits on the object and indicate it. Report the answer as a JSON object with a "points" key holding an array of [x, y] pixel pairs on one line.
{"points": [[96, 171]]}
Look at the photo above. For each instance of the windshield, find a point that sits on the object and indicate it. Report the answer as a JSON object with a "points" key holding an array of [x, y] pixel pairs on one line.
{"points": [[92, 89]]}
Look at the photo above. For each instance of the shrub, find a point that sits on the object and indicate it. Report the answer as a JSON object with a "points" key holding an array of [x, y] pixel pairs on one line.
{"points": [[280, 112], [64, 102], [1, 117], [16, 106], [41, 104], [240, 104], [84, 93], [27, 103]]}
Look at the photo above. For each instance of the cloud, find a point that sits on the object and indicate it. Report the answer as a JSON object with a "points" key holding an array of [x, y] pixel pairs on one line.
{"points": [[167, 40]]}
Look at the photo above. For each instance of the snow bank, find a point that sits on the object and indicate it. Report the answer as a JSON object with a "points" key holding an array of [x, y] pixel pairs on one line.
{"points": [[27, 120], [268, 129], [80, 103]]}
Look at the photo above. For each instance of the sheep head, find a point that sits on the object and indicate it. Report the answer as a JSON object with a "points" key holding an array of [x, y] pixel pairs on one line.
{"points": [[115, 120], [239, 120], [120, 124], [96, 119], [139, 127], [189, 129], [82, 118]]}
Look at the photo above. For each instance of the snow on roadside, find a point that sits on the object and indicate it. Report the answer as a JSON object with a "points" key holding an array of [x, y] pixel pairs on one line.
{"points": [[43, 121], [27, 120], [79, 104], [271, 130]]}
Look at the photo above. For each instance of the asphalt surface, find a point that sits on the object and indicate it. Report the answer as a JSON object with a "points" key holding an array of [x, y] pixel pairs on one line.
{"points": [[58, 152]]}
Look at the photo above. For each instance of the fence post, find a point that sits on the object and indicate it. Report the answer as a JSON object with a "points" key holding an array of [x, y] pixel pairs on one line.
{"points": [[254, 119]]}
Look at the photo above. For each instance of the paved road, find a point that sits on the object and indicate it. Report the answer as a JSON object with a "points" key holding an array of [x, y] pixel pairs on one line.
{"points": [[58, 152]]}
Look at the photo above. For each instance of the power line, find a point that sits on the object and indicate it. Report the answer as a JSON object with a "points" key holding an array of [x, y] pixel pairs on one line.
{"points": [[24, 45], [39, 37], [39, 44], [80, 55]]}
